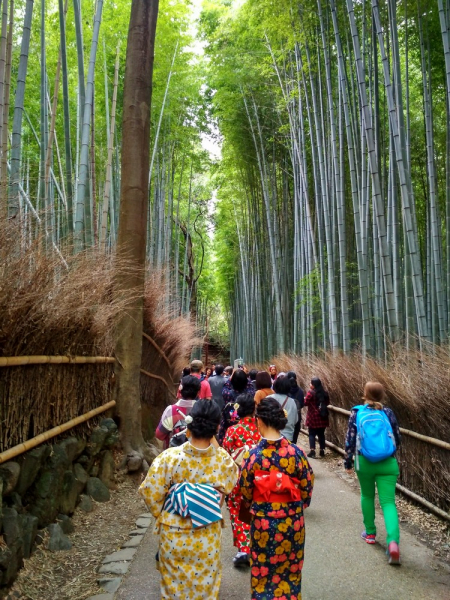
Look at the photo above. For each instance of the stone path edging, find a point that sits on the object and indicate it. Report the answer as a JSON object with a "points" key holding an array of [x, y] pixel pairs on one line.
{"points": [[115, 565]]}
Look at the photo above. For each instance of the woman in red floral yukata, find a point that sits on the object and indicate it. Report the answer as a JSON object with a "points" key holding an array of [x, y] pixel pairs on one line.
{"points": [[240, 437], [277, 482]]}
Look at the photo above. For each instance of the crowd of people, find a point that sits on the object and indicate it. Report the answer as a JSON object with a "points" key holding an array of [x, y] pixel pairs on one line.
{"points": [[232, 437]]}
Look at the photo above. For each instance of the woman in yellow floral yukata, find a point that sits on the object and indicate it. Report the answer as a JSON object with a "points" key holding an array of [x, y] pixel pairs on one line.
{"points": [[183, 489], [277, 481]]}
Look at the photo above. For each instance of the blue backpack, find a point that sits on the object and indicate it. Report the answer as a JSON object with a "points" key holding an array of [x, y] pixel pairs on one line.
{"points": [[374, 436]]}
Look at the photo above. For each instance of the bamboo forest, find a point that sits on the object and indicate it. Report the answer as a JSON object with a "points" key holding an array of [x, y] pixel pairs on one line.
{"points": [[322, 220], [191, 190]]}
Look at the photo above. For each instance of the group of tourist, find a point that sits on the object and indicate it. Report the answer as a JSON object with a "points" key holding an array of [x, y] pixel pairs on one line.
{"points": [[234, 438]]}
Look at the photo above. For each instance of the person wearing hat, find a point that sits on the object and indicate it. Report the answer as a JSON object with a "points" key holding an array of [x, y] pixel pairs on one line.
{"points": [[205, 389]]}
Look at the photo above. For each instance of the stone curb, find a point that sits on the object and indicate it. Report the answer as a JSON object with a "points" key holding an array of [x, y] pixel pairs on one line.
{"points": [[117, 564]]}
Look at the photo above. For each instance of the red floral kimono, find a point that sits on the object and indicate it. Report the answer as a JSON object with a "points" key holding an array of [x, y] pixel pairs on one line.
{"points": [[278, 481], [244, 433]]}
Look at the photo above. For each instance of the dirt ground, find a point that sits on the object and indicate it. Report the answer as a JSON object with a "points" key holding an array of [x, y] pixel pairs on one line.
{"points": [[72, 574]]}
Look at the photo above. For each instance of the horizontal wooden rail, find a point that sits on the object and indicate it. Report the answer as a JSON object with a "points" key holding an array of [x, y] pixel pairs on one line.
{"points": [[43, 437], [408, 432], [434, 509], [16, 361]]}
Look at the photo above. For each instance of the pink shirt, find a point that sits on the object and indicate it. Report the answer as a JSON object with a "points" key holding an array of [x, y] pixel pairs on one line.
{"points": [[205, 388]]}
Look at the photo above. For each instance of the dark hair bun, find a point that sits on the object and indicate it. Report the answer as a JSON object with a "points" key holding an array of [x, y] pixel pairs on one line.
{"points": [[239, 381], [271, 414], [246, 405], [205, 419], [190, 387], [282, 385]]}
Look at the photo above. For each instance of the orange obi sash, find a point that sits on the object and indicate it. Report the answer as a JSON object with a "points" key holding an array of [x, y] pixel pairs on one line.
{"points": [[274, 486]]}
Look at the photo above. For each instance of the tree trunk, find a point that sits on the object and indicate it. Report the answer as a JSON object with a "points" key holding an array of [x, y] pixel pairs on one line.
{"points": [[132, 234]]}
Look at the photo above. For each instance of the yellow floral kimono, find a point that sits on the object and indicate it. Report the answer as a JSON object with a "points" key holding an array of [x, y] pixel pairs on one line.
{"points": [[189, 558]]}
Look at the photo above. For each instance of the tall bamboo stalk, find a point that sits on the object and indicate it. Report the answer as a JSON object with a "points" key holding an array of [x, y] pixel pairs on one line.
{"points": [[66, 108], [82, 234], [107, 204], [16, 143]]}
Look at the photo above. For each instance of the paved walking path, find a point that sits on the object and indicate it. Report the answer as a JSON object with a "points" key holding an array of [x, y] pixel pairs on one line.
{"points": [[338, 564]]}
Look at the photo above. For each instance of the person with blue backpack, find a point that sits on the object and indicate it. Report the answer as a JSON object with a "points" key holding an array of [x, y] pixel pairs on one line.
{"points": [[373, 437]]}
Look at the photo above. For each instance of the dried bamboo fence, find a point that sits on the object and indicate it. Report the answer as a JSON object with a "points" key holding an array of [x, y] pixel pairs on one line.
{"points": [[58, 430], [16, 361], [28, 409], [418, 391], [409, 434], [424, 462], [38, 391], [70, 315]]}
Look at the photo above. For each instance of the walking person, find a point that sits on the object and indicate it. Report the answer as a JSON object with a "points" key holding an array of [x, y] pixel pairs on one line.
{"points": [[373, 436], [237, 384], [273, 372], [196, 371], [282, 388], [317, 400], [228, 372], [263, 384], [176, 413], [216, 383], [184, 489], [239, 437], [252, 377], [277, 482], [299, 396]]}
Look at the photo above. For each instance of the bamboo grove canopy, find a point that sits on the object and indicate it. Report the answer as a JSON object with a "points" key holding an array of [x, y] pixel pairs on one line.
{"points": [[325, 222], [335, 120]]}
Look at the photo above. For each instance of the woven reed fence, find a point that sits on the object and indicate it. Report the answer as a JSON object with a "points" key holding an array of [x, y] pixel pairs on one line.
{"points": [[35, 398]]}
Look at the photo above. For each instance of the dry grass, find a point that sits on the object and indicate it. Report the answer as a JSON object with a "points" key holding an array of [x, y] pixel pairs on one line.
{"points": [[175, 335], [48, 308], [418, 389]]}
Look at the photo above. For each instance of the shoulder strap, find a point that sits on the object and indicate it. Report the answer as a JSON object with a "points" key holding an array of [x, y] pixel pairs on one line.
{"points": [[284, 403]]}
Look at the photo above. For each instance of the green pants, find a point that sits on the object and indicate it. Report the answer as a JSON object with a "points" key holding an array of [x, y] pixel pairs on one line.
{"points": [[384, 474]]}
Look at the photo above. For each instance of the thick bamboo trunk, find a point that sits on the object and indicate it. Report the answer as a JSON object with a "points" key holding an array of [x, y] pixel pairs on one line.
{"points": [[132, 234]]}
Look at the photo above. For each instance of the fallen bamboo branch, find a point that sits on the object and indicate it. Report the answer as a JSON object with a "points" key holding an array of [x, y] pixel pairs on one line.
{"points": [[434, 509], [43, 437], [158, 349], [15, 361], [159, 378], [419, 436]]}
